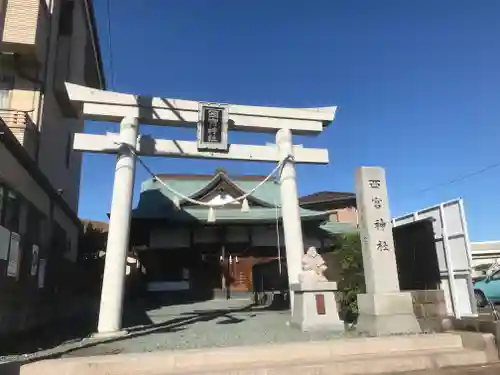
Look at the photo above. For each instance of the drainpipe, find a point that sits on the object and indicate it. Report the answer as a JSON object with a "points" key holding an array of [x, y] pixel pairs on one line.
{"points": [[94, 39], [43, 81]]}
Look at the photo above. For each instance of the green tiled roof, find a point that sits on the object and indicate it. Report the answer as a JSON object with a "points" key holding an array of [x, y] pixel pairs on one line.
{"points": [[338, 228], [156, 202], [269, 192]]}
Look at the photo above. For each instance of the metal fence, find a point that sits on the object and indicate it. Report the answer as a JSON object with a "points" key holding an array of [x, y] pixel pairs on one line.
{"points": [[453, 252]]}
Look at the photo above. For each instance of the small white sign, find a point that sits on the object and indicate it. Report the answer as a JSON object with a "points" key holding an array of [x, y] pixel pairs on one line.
{"points": [[41, 273], [4, 243], [13, 266], [34, 259]]}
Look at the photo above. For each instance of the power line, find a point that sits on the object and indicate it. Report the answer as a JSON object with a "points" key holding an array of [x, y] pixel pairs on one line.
{"points": [[460, 178], [110, 49]]}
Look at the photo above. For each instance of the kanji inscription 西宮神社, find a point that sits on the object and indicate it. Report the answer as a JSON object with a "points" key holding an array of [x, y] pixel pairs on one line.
{"points": [[376, 229], [379, 261]]}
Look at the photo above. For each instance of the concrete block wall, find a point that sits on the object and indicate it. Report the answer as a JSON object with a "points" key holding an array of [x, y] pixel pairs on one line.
{"points": [[430, 309], [24, 308]]}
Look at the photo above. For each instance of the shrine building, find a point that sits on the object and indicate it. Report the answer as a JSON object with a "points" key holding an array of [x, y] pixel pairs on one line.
{"points": [[194, 249]]}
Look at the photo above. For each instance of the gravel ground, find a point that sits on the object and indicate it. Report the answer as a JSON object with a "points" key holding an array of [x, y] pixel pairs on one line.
{"points": [[215, 323], [207, 324]]}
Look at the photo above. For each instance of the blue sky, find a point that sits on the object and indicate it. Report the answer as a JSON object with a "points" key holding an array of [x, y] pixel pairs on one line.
{"points": [[417, 83]]}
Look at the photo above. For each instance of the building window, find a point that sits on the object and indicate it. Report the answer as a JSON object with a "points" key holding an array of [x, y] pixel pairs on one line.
{"points": [[12, 211], [34, 225], [6, 86], [68, 150], [66, 18], [59, 239]]}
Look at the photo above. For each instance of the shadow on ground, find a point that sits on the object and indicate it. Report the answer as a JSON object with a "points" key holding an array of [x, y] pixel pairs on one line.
{"points": [[76, 333], [78, 328], [172, 325]]}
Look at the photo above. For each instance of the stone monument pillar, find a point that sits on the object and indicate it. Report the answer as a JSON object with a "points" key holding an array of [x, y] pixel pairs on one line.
{"points": [[383, 309]]}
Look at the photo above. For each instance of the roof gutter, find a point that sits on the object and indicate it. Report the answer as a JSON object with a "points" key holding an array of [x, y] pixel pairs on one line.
{"points": [[327, 200]]}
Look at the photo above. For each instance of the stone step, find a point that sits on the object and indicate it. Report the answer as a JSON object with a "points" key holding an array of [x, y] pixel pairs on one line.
{"points": [[347, 356], [350, 365]]}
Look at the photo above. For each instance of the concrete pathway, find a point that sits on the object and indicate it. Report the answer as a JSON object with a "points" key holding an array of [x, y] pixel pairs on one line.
{"points": [[348, 356]]}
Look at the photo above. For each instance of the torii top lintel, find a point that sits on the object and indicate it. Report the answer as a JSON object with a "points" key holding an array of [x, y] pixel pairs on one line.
{"points": [[112, 106]]}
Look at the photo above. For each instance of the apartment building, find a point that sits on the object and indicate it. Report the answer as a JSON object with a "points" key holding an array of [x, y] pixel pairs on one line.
{"points": [[43, 44]]}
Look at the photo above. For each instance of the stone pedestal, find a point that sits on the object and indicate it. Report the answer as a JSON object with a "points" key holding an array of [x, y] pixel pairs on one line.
{"points": [[386, 314], [315, 308]]}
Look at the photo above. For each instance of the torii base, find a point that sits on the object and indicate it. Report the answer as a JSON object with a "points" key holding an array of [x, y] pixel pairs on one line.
{"points": [[108, 335]]}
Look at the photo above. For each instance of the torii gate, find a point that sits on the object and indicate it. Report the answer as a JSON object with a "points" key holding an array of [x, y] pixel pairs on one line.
{"points": [[130, 110]]}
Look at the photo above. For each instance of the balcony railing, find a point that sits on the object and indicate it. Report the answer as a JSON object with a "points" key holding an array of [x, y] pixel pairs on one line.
{"points": [[23, 127], [18, 119]]}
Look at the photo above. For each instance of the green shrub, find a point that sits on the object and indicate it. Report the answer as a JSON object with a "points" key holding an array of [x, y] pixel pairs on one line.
{"points": [[351, 277]]}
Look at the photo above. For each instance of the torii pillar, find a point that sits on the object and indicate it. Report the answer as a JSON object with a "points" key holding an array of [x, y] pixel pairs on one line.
{"points": [[111, 308], [290, 210]]}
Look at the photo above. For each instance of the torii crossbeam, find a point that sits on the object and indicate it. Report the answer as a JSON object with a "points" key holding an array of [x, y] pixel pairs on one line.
{"points": [[130, 110], [111, 106]]}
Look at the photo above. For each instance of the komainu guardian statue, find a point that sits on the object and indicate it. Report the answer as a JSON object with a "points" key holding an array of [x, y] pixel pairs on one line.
{"points": [[313, 267]]}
